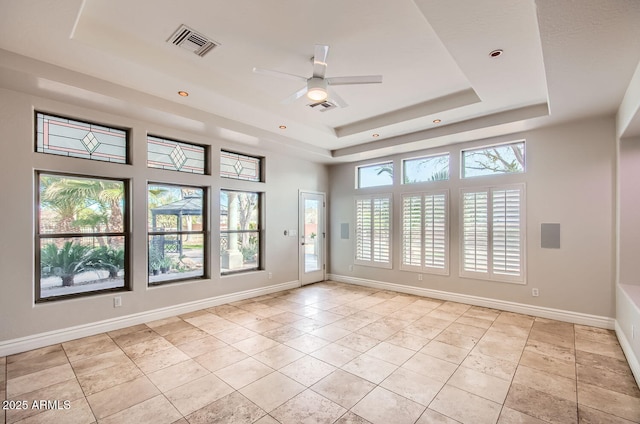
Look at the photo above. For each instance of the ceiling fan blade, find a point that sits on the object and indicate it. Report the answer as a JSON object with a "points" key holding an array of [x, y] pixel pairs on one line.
{"points": [[335, 98], [278, 74], [295, 96], [320, 60], [363, 79]]}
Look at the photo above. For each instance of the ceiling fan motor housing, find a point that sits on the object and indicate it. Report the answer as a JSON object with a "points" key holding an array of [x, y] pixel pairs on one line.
{"points": [[316, 89]]}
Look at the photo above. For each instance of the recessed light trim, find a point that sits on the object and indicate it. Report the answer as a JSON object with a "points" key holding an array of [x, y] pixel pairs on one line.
{"points": [[437, 121], [375, 135], [182, 93], [282, 127], [496, 53]]}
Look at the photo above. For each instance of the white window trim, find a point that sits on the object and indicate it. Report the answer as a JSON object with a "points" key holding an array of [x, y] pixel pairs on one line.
{"points": [[379, 264], [425, 268], [369, 165], [490, 274], [489, 146], [435, 155]]}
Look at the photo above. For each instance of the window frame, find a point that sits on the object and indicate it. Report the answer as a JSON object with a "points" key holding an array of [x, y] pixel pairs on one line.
{"points": [[204, 233], [127, 134], [39, 236], [261, 165], [206, 168], [492, 146], [424, 267], [260, 231], [436, 155], [388, 264], [371, 165], [491, 274]]}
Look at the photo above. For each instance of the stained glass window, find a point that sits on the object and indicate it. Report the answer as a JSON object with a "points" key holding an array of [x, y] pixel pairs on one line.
{"points": [[240, 167], [175, 155], [67, 137]]}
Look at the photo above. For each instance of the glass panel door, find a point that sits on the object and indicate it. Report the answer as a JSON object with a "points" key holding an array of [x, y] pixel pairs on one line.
{"points": [[312, 237]]}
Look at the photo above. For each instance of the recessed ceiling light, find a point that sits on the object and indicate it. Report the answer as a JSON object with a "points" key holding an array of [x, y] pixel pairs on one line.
{"points": [[283, 127], [496, 53], [375, 135], [437, 121], [183, 93]]}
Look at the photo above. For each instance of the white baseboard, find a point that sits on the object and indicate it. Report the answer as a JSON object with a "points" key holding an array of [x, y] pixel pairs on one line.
{"points": [[521, 308], [628, 352], [23, 344]]}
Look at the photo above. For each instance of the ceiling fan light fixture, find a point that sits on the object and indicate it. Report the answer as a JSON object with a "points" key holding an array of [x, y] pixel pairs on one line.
{"points": [[317, 89]]}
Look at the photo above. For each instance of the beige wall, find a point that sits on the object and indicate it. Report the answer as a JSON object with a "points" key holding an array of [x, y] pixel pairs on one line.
{"points": [[570, 180], [629, 186], [20, 317]]}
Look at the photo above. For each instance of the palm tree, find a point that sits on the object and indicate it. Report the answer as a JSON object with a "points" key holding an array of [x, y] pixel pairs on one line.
{"points": [[66, 261], [108, 258], [65, 208], [81, 202]]}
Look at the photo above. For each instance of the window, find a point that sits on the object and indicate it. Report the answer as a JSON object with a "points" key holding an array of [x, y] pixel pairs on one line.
{"points": [[373, 230], [425, 232], [66, 137], [163, 153], [380, 174], [176, 233], [240, 230], [492, 224], [428, 168], [81, 236], [499, 159], [240, 167]]}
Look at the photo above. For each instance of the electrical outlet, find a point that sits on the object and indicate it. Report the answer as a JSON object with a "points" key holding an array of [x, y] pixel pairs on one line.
{"points": [[117, 301], [350, 267], [535, 292], [419, 277], [633, 332], [269, 276]]}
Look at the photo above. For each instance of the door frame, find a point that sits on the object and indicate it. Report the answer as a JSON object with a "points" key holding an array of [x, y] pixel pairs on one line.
{"points": [[316, 276]]}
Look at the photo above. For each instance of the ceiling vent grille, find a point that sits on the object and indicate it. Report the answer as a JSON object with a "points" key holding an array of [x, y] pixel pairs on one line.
{"points": [[193, 41], [323, 106]]}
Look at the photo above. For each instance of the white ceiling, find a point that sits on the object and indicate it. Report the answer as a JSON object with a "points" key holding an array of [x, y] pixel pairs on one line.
{"points": [[563, 60]]}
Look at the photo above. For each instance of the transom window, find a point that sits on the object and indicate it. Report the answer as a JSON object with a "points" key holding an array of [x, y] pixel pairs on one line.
{"points": [[177, 233], [240, 167], [240, 231], [427, 168], [174, 155], [379, 174], [81, 236], [69, 137], [499, 159]]}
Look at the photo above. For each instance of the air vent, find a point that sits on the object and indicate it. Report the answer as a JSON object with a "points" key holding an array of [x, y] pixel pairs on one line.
{"points": [[323, 106], [193, 41]]}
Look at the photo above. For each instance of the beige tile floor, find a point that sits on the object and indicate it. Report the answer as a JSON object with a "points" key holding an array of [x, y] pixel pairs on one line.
{"points": [[329, 353]]}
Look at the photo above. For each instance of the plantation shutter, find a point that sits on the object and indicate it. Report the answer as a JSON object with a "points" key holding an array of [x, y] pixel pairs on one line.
{"points": [[381, 230], [373, 231], [363, 229], [475, 232], [425, 232], [435, 231], [412, 231], [493, 233], [507, 245]]}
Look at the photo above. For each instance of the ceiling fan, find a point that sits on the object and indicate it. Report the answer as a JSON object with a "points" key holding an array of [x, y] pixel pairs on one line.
{"points": [[316, 88]]}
